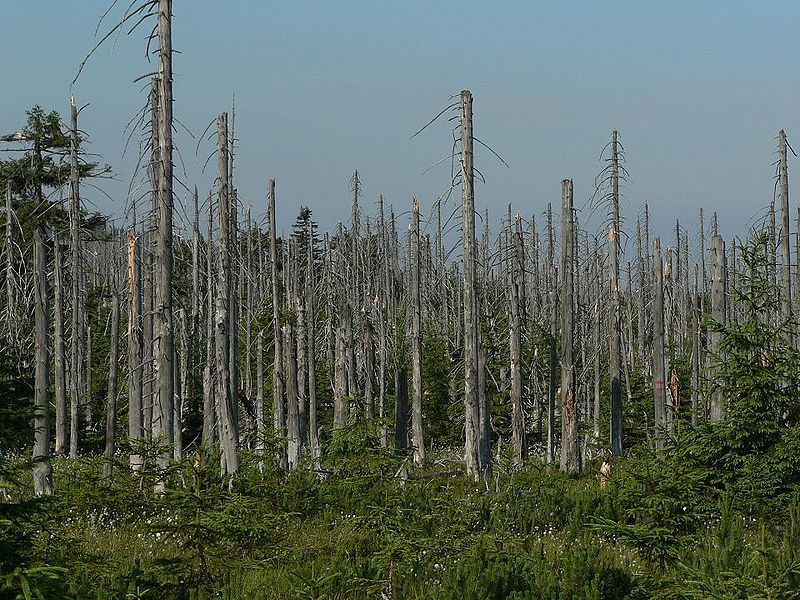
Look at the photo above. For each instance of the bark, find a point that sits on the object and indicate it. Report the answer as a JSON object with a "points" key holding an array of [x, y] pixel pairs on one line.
{"points": [[472, 431], [76, 334], [570, 444], [135, 432], [312, 351], [614, 248], [718, 274], [277, 370], [42, 471], [417, 441], [227, 432], [8, 243], [553, 381], [111, 402], [164, 351], [786, 259], [60, 358], [517, 302], [659, 364]]}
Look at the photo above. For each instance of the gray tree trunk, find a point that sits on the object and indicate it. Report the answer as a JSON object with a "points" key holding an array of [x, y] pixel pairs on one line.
{"points": [[60, 358], [517, 302], [472, 431], [164, 350], [417, 442], [76, 333], [111, 402], [227, 432], [277, 370], [42, 471], [570, 443], [659, 364], [613, 249], [718, 275], [135, 432], [786, 259]]}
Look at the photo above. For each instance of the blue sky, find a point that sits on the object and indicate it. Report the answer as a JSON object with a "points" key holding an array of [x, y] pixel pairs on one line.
{"points": [[698, 91]]}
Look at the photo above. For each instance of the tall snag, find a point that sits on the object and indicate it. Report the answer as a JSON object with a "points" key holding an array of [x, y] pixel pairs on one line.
{"points": [[227, 431], [164, 350], [42, 471], [517, 305], [277, 370], [416, 341], [76, 333], [570, 444], [471, 392], [613, 250]]}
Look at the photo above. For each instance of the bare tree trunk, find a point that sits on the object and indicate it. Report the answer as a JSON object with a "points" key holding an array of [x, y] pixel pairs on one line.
{"points": [[225, 400], [290, 369], [182, 383], [10, 295], [42, 471], [696, 349], [311, 332], [659, 364], [111, 403], [401, 409], [209, 373], [60, 359], [260, 391], [716, 409], [517, 302], [292, 413], [164, 343], [614, 247], [471, 393], [551, 393], [570, 444], [417, 442], [87, 382], [786, 259], [277, 371], [76, 334], [134, 351]]}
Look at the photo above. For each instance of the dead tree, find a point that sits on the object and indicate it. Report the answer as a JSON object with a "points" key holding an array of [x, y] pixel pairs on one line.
{"points": [[472, 431], [659, 361], [613, 250], [135, 370], [517, 304], [58, 347], [786, 259], [417, 441], [570, 443], [277, 370], [42, 471], [111, 402], [8, 246], [164, 351], [718, 275], [311, 332], [225, 395], [76, 334]]}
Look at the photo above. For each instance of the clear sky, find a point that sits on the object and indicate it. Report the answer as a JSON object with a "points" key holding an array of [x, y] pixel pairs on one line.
{"points": [[698, 91]]}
